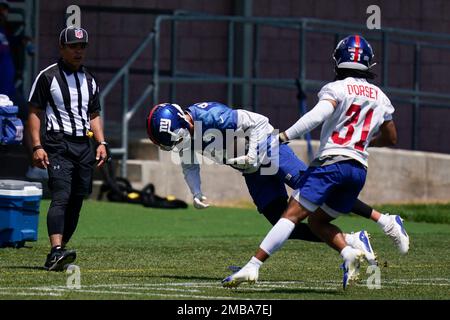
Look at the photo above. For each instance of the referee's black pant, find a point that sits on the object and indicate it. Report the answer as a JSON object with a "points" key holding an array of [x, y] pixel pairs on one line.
{"points": [[70, 173]]}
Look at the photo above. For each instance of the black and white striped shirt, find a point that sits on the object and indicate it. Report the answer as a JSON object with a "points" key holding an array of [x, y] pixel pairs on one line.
{"points": [[67, 97]]}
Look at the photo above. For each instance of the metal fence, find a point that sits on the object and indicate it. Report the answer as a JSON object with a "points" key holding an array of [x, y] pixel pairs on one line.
{"points": [[24, 15]]}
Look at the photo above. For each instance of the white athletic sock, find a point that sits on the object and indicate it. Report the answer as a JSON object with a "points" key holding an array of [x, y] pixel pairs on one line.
{"points": [[277, 236], [348, 238], [383, 221], [346, 253]]}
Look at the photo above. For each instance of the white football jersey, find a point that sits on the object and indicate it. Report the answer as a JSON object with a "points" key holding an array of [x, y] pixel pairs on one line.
{"points": [[361, 109]]}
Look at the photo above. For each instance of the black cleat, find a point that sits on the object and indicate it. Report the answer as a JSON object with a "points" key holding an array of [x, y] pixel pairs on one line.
{"points": [[58, 259]]}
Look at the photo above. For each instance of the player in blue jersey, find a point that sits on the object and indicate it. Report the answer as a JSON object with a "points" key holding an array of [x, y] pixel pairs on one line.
{"points": [[213, 130]]}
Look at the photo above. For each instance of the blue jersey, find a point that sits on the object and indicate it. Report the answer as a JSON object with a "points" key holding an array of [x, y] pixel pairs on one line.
{"points": [[213, 115], [210, 116]]}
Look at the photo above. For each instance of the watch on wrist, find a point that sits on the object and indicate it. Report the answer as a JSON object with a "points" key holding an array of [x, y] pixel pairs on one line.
{"points": [[104, 143]]}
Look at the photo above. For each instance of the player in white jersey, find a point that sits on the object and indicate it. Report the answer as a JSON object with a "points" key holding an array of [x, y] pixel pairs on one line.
{"points": [[356, 110], [352, 111]]}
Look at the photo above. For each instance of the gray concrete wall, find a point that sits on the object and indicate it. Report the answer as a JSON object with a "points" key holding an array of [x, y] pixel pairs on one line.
{"points": [[394, 176], [406, 176]]}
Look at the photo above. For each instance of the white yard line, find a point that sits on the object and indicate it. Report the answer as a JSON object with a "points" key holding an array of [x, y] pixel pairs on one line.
{"points": [[6, 293], [214, 285], [149, 294], [139, 287], [200, 288], [59, 290]]}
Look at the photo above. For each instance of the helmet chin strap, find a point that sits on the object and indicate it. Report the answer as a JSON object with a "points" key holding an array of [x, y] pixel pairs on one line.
{"points": [[181, 115], [178, 136], [165, 148]]}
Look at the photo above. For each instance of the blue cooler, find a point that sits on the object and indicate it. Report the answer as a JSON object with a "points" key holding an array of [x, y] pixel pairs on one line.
{"points": [[19, 212]]}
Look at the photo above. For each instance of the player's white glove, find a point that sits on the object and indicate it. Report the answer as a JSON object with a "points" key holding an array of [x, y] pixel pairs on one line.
{"points": [[242, 162], [200, 201]]}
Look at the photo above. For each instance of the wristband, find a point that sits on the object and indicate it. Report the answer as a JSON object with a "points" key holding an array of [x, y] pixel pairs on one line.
{"points": [[282, 137], [38, 147]]}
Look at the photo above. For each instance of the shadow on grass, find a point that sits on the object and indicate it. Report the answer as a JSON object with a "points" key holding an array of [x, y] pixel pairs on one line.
{"points": [[174, 277], [25, 267], [304, 290], [289, 292], [12, 247]]}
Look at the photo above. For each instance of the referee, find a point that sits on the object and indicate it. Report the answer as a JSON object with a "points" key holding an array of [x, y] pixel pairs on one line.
{"points": [[68, 95]]}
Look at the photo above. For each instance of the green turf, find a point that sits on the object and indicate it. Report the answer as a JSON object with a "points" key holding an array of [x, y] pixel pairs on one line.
{"points": [[130, 252], [434, 213]]}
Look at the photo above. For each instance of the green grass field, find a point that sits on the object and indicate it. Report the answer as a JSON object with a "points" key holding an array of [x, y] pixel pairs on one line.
{"points": [[130, 252]]}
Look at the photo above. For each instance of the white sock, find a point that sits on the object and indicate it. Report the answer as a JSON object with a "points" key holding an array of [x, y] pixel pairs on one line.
{"points": [[348, 238], [346, 252], [276, 237], [383, 221]]}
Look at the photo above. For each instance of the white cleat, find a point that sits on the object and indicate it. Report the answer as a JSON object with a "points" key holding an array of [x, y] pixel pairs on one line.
{"points": [[351, 267], [248, 274], [361, 240], [396, 231]]}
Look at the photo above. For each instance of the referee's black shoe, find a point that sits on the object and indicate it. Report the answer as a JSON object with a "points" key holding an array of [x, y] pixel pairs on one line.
{"points": [[58, 258]]}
